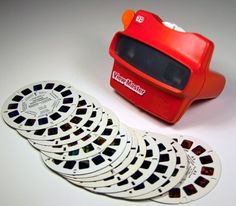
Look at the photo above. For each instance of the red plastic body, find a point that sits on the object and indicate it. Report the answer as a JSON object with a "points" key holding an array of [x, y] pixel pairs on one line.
{"points": [[191, 49]]}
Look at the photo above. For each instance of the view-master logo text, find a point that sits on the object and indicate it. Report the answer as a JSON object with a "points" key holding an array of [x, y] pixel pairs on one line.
{"points": [[128, 83]]}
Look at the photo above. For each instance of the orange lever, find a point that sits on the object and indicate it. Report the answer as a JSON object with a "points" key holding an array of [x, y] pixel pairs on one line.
{"points": [[127, 17]]}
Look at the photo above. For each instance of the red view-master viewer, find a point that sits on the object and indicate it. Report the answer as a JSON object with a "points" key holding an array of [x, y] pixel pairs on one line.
{"points": [[162, 69]]}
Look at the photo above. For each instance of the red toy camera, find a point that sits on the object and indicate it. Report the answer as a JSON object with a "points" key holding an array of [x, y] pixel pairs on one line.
{"points": [[160, 69]]}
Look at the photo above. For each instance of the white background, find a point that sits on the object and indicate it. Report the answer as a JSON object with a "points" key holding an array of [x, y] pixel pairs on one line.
{"points": [[68, 41]]}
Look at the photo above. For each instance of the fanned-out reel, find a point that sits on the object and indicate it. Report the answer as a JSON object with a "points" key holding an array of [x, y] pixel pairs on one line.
{"points": [[86, 144]]}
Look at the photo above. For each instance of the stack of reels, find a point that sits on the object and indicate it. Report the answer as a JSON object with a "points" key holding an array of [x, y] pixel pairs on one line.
{"points": [[87, 145]]}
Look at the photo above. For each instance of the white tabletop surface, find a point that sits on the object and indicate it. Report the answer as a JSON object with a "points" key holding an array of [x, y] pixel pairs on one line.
{"points": [[68, 41]]}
